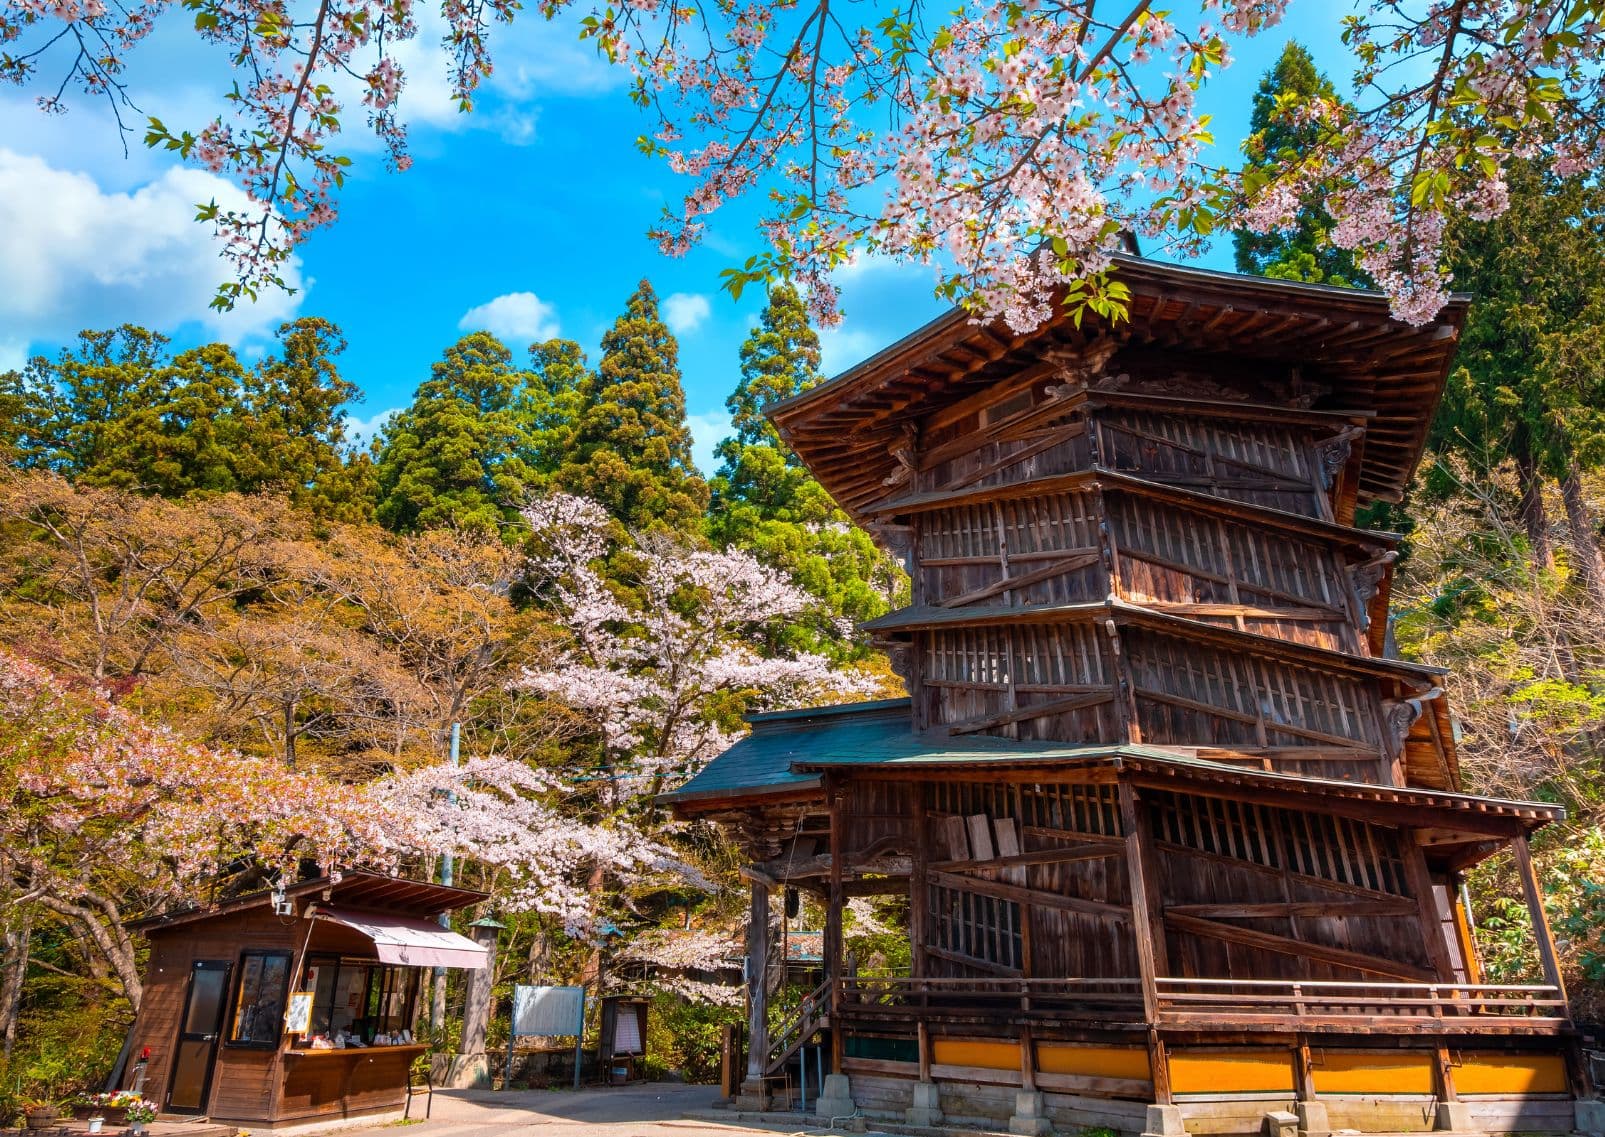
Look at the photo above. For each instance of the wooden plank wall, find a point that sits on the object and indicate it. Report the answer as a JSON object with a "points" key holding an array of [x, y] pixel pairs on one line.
{"points": [[1030, 880]]}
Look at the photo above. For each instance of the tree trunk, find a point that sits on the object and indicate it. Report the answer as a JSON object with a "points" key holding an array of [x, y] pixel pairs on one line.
{"points": [[109, 938], [477, 1001], [13, 971], [1534, 517], [1583, 537]]}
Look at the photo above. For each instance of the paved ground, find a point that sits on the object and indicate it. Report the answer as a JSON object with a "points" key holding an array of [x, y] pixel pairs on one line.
{"points": [[649, 1110]]}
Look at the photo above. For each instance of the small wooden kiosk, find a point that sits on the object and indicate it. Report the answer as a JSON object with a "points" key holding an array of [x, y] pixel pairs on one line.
{"points": [[341, 957], [1179, 842]]}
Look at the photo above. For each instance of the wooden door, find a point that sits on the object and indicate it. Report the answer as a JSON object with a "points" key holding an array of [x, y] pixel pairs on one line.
{"points": [[196, 1052]]}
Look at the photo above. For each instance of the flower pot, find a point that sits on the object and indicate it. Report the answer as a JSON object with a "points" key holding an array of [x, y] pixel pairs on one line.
{"points": [[42, 1117], [136, 1128], [95, 1124]]}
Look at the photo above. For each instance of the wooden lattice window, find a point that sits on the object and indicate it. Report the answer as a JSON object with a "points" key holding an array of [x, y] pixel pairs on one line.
{"points": [[979, 931]]}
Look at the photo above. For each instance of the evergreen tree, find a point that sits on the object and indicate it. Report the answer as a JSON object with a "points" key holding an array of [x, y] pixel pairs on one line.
{"points": [[560, 382], [766, 502], [174, 435], [92, 389], [458, 455], [292, 434], [632, 448], [1305, 251], [1529, 384]]}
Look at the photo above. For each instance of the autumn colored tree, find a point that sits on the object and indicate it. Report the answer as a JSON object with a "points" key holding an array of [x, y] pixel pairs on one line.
{"points": [[104, 582], [1280, 132], [459, 455], [764, 501], [632, 448], [104, 817]]}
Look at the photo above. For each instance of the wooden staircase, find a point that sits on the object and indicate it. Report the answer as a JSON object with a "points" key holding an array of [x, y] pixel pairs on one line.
{"points": [[812, 1016]]}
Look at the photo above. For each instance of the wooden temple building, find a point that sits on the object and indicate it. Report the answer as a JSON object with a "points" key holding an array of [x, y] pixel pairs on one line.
{"points": [[1181, 843]]}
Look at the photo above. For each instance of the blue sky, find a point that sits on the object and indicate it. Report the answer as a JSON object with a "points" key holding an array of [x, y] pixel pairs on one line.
{"points": [[528, 215]]}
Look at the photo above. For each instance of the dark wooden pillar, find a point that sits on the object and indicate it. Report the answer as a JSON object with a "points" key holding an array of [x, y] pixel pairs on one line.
{"points": [[1143, 901], [833, 923], [1547, 957], [758, 984], [1432, 926]]}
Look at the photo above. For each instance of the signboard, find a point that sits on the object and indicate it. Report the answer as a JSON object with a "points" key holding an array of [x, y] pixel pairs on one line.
{"points": [[298, 1017], [547, 1012]]}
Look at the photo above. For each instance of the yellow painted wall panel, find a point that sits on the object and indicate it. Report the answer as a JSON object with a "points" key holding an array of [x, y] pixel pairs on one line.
{"points": [[986, 1055], [1094, 1061], [1511, 1074], [1373, 1072], [1231, 1072]]}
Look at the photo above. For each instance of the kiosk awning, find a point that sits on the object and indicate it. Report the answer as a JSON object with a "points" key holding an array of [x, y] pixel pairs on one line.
{"points": [[409, 942]]}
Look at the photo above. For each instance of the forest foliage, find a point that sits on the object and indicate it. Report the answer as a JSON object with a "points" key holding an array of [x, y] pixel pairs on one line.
{"points": [[208, 586]]}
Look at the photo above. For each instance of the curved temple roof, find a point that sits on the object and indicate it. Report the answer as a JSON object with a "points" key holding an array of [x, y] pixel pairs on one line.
{"points": [[1391, 372]]}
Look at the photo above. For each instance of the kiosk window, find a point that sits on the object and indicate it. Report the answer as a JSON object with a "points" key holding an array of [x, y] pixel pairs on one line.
{"points": [[259, 1006]]}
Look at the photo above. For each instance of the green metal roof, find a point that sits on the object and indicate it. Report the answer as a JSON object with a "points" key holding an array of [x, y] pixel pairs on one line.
{"points": [[784, 746]]}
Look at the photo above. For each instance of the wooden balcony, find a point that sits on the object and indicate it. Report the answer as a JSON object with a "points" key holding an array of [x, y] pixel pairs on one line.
{"points": [[1207, 1005]]}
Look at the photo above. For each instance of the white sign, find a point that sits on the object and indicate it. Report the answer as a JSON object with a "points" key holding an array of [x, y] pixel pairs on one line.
{"points": [[298, 1018], [548, 1011]]}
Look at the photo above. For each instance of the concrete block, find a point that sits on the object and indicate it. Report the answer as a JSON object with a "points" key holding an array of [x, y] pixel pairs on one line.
{"points": [[1312, 1119], [927, 1107], [1455, 1116], [1030, 1115], [752, 1097], [1279, 1123], [465, 1072], [836, 1099], [1164, 1121], [1591, 1117]]}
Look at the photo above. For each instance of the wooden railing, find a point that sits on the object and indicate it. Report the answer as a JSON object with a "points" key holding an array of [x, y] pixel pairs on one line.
{"points": [[1387, 1007], [799, 1027], [1212, 1004]]}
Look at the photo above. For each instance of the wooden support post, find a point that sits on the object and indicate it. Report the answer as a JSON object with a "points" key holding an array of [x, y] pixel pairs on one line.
{"points": [[1303, 1074], [1141, 906], [919, 893], [925, 1050], [835, 792], [1028, 1060], [1444, 1070], [1468, 941], [758, 983], [1159, 1067], [1432, 927], [1535, 908]]}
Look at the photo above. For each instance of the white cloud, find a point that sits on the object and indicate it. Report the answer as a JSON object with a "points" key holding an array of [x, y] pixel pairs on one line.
{"points": [[521, 317], [75, 256], [362, 431], [882, 300], [684, 312], [708, 429]]}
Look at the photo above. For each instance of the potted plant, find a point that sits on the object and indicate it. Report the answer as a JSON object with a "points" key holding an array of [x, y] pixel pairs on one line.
{"points": [[109, 1107], [140, 1113], [39, 1113]]}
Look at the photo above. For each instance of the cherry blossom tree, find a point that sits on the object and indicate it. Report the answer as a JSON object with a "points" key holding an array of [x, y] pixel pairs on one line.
{"points": [[104, 816], [513, 821], [1010, 142], [662, 666]]}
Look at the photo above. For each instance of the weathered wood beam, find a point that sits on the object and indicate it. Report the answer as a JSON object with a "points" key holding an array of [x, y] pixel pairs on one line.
{"points": [[1023, 895], [1286, 945], [1397, 906], [1033, 711]]}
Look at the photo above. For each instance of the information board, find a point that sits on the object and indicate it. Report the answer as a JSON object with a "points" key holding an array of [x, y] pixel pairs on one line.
{"points": [[547, 1012]]}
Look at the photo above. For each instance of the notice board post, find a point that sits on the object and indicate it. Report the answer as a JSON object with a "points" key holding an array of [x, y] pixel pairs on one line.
{"points": [[547, 1012]]}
